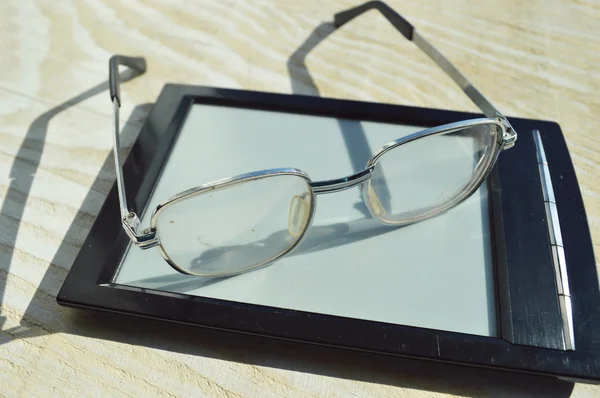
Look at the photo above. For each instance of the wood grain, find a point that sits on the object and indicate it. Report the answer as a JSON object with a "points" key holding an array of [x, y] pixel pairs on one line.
{"points": [[534, 59]]}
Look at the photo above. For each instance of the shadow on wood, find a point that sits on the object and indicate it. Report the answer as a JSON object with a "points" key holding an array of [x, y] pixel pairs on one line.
{"points": [[320, 360], [22, 175]]}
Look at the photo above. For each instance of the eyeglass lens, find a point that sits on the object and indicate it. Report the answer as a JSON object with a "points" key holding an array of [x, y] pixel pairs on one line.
{"points": [[423, 177], [235, 228]]}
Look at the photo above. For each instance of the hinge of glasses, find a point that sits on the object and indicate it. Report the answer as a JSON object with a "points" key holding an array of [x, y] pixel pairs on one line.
{"points": [[145, 240], [510, 135]]}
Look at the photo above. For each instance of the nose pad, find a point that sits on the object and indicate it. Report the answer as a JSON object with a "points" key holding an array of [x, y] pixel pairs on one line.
{"points": [[374, 202], [298, 216]]}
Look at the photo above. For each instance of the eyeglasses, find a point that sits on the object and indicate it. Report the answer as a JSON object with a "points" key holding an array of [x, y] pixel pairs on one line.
{"points": [[268, 212]]}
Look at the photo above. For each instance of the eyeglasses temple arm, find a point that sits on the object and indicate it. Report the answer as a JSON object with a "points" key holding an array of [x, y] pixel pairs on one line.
{"points": [[137, 64], [410, 33]]}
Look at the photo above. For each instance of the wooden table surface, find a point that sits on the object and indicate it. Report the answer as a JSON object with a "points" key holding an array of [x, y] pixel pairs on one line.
{"points": [[532, 58]]}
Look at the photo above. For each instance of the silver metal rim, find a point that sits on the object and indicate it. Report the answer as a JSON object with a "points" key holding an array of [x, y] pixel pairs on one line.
{"points": [[225, 183], [445, 129]]}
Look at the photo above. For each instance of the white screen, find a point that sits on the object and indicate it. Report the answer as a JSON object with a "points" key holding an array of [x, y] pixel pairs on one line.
{"points": [[435, 274]]}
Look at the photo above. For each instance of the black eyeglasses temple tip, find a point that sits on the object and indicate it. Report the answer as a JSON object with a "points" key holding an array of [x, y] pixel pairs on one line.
{"points": [[138, 64]]}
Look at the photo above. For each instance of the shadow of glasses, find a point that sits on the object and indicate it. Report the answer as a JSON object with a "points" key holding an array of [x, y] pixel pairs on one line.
{"points": [[22, 175], [214, 259], [353, 133]]}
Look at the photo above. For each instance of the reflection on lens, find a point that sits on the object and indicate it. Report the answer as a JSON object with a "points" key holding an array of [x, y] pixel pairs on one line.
{"points": [[429, 175], [235, 228], [298, 214]]}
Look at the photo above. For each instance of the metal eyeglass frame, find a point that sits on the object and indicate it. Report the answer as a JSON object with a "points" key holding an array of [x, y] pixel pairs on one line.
{"points": [[149, 237]]}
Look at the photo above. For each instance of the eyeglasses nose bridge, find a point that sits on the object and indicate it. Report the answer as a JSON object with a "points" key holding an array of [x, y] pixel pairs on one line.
{"points": [[341, 184]]}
